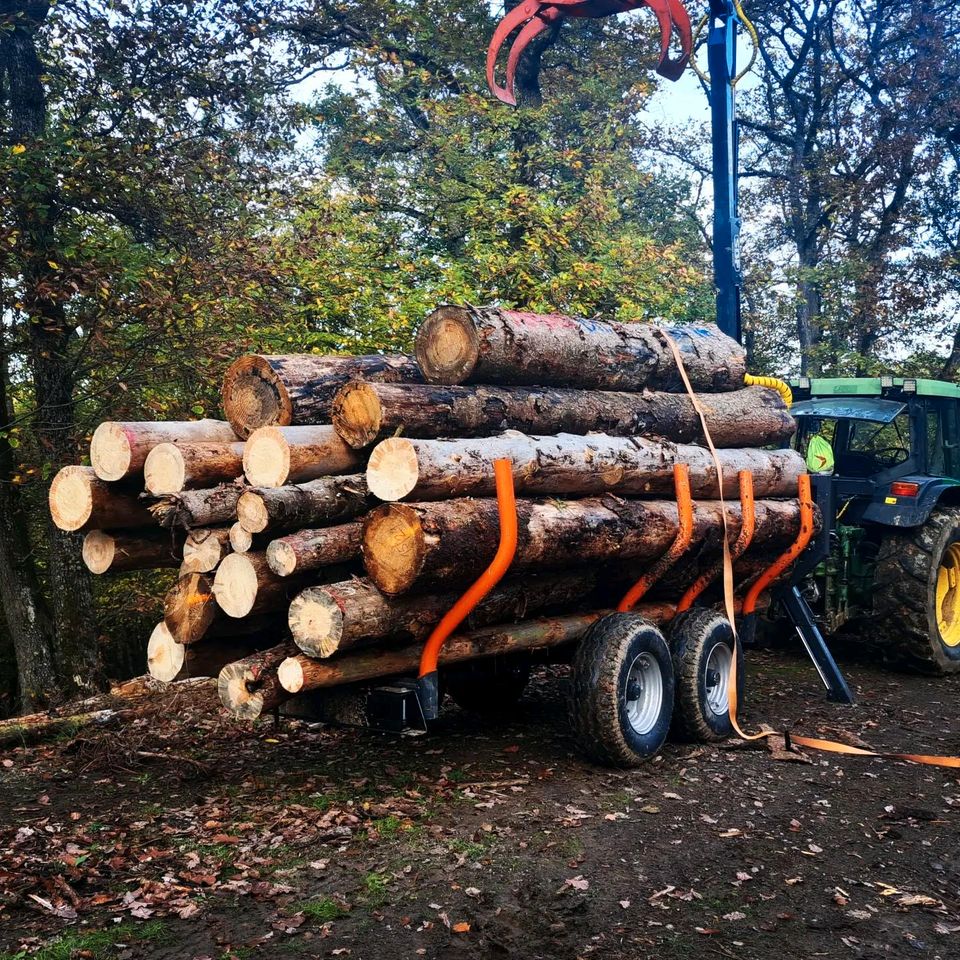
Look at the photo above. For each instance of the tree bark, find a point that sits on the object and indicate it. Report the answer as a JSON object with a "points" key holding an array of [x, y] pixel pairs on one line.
{"points": [[120, 450], [408, 544], [333, 618], [118, 552], [249, 686], [172, 467], [198, 508], [278, 455], [204, 548], [569, 464], [303, 505], [168, 660], [488, 345], [365, 412], [262, 391], [80, 500], [312, 549]]}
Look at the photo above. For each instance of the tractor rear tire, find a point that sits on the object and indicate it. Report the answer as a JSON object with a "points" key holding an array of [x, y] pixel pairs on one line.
{"points": [[621, 691], [701, 642], [490, 687], [918, 612]]}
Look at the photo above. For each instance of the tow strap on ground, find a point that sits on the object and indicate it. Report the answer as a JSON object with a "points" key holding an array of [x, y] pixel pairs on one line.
{"points": [[814, 743]]}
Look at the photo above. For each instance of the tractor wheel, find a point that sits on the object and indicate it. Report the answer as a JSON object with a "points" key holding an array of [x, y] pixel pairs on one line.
{"points": [[488, 687], [917, 599], [702, 645], [621, 691]]}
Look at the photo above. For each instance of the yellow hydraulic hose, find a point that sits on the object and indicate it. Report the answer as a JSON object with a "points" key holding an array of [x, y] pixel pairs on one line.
{"points": [[773, 383]]}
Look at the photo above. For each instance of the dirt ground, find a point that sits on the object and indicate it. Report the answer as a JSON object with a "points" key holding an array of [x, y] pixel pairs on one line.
{"points": [[185, 836]]}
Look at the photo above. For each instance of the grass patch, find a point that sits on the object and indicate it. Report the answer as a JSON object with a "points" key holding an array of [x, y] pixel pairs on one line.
{"points": [[471, 849], [322, 910], [375, 889], [95, 944]]}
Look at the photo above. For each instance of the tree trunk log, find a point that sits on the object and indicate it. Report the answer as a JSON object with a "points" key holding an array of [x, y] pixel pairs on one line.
{"points": [[569, 464], [198, 508], [118, 552], [119, 450], [327, 620], [204, 548], [303, 505], [190, 608], [460, 345], [407, 544], [80, 500], [168, 660], [261, 391], [172, 467], [278, 455], [249, 686], [312, 549], [365, 412], [243, 541]]}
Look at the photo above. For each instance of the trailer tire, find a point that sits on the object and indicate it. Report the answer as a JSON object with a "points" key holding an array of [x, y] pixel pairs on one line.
{"points": [[621, 691], [917, 611], [701, 642], [489, 687]]}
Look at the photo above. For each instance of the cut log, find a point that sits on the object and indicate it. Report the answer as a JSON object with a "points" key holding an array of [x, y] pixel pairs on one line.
{"points": [[80, 500], [365, 412], [314, 548], [570, 464], [204, 548], [262, 391], [325, 620], [278, 455], [406, 544], [190, 608], [117, 552], [168, 660], [119, 450], [172, 467], [488, 345], [249, 686], [244, 584], [243, 541], [198, 508], [303, 505]]}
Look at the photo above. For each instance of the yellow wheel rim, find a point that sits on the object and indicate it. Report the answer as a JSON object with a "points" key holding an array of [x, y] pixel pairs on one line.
{"points": [[948, 596]]}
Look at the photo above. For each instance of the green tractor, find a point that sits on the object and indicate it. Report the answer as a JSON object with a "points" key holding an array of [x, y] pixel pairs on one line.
{"points": [[888, 552]]}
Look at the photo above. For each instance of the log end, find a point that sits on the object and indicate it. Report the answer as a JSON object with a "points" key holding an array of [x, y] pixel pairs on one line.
{"points": [[233, 688], [241, 540], [164, 470], [281, 558], [392, 471], [164, 655], [393, 543], [316, 622], [99, 549], [71, 497], [290, 675], [254, 396], [235, 585], [190, 608], [202, 551], [448, 346], [356, 414], [266, 458], [252, 512], [110, 451]]}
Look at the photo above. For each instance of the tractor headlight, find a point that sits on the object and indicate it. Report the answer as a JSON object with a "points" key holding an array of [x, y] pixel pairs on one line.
{"points": [[910, 386]]}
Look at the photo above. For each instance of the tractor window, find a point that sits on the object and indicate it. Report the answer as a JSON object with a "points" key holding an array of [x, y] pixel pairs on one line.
{"points": [[949, 440], [872, 447], [935, 457]]}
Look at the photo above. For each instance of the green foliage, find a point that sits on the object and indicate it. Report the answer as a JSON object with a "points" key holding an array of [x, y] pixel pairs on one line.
{"points": [[95, 944]]}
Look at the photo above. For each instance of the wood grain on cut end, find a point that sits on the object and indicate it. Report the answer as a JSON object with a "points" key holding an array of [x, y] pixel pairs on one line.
{"points": [[164, 470], [356, 414], [233, 687], [448, 346], [254, 396], [190, 608], [99, 549], [241, 539], [71, 497], [203, 549], [392, 471], [165, 656], [290, 675], [393, 547], [236, 584], [266, 458], [252, 512], [282, 558], [316, 622], [110, 451]]}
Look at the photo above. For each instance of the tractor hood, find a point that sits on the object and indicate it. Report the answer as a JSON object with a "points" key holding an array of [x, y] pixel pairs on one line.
{"points": [[852, 408]]}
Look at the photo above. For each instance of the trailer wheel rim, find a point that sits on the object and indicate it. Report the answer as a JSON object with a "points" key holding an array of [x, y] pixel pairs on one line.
{"points": [[717, 669], [644, 694], [948, 596]]}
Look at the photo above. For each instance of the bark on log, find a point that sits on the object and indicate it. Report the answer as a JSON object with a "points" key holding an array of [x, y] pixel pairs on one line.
{"points": [[172, 467], [365, 412], [262, 391], [324, 620], [119, 450], [277, 455], [407, 544], [303, 505], [314, 548], [117, 552], [487, 345], [198, 508], [80, 500], [570, 464], [249, 686], [168, 660], [204, 548]]}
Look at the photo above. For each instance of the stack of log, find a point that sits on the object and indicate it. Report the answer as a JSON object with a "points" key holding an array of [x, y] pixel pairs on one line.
{"points": [[323, 529]]}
